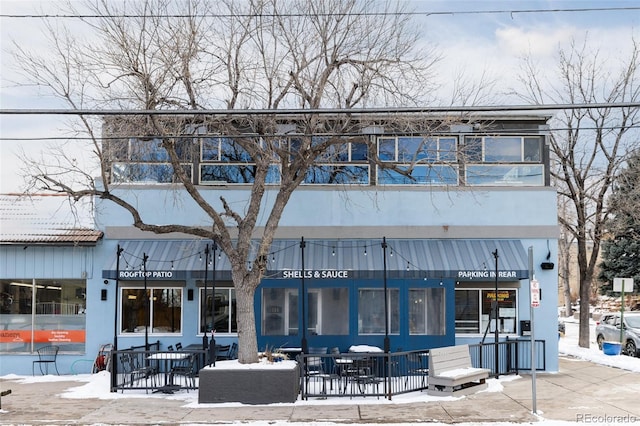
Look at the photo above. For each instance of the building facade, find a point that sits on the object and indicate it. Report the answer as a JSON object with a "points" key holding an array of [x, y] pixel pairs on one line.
{"points": [[455, 232]]}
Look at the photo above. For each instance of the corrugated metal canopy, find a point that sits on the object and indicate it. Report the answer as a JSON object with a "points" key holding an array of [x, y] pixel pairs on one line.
{"points": [[45, 220], [416, 258]]}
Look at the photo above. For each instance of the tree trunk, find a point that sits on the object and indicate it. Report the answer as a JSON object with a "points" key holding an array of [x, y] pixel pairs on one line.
{"points": [[585, 293], [245, 315], [565, 275]]}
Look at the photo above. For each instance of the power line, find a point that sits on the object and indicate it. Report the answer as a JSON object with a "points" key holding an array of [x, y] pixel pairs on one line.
{"points": [[321, 111], [186, 136], [302, 15]]}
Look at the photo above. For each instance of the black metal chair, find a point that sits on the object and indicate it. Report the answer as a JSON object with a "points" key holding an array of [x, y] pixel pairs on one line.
{"points": [[222, 352], [187, 370], [46, 355], [135, 369], [233, 352]]}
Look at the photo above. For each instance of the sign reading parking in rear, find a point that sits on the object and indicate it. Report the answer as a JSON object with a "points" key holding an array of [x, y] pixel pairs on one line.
{"points": [[535, 293]]}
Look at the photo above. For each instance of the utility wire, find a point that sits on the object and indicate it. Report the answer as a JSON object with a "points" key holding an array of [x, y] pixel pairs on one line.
{"points": [[212, 135], [302, 15], [320, 111]]}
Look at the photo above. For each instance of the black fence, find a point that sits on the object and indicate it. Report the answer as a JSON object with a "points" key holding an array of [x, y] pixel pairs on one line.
{"points": [[154, 370], [385, 375], [323, 375]]}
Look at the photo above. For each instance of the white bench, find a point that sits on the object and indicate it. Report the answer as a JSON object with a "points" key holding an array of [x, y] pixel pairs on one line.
{"points": [[451, 372]]}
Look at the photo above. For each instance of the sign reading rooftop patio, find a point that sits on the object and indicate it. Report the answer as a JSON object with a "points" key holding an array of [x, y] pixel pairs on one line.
{"points": [[317, 274], [142, 274]]}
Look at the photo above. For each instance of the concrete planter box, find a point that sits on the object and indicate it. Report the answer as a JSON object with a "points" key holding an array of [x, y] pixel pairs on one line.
{"points": [[229, 381]]}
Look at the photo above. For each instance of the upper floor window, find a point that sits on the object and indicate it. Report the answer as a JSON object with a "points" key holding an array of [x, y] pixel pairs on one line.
{"points": [[223, 149], [411, 149], [503, 149]]}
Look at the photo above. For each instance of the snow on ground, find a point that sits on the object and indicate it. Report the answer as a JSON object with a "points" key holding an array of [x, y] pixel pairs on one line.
{"points": [[97, 385], [568, 345]]}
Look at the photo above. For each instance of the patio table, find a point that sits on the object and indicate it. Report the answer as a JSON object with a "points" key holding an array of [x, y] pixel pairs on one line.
{"points": [[168, 358]]}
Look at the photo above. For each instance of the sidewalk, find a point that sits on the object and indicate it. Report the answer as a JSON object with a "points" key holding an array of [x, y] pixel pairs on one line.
{"points": [[581, 392]]}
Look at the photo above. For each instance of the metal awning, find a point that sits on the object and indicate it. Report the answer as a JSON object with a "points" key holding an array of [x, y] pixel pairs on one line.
{"points": [[463, 260]]}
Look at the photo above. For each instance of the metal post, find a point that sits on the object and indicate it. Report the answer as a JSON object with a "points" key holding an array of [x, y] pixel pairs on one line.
{"points": [[114, 363], [622, 319], [533, 340], [205, 341], [387, 344], [146, 302], [303, 343], [115, 316], [213, 306], [495, 315]]}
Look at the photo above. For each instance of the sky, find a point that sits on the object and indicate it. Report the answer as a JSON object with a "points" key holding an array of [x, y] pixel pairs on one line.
{"points": [[97, 385], [472, 44]]}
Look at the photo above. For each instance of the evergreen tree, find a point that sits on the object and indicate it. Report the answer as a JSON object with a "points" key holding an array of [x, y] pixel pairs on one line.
{"points": [[621, 253]]}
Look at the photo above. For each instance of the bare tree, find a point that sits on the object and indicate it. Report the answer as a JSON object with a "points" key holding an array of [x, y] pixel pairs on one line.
{"points": [[565, 257], [261, 54], [588, 145]]}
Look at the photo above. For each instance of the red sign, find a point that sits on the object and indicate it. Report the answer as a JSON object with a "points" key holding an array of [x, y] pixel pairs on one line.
{"points": [[42, 336]]}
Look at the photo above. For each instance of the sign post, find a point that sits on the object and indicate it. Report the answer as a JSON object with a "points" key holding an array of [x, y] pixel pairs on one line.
{"points": [[618, 285], [533, 283]]}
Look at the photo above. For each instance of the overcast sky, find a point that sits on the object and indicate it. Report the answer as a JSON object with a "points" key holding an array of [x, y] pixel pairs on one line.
{"points": [[470, 42]]}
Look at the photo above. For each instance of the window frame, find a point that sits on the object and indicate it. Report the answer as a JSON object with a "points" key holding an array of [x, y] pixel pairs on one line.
{"points": [[480, 320], [140, 329]]}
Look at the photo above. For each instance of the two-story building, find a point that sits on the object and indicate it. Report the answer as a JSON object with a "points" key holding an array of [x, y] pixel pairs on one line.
{"points": [[451, 231]]}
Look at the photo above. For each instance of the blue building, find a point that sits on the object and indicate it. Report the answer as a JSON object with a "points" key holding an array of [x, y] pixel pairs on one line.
{"points": [[455, 233]]}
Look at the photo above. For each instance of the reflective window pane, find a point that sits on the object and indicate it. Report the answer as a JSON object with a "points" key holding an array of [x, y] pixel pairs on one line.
{"points": [[506, 310], [159, 310], [427, 311], [502, 149], [279, 312], [387, 149], [225, 310], [371, 311], [467, 311], [35, 313], [328, 311]]}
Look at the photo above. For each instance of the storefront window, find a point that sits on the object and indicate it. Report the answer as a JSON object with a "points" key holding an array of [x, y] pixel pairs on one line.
{"points": [[467, 311], [225, 316], [473, 311], [35, 313], [506, 310], [427, 311], [158, 309], [328, 311], [371, 311], [280, 311]]}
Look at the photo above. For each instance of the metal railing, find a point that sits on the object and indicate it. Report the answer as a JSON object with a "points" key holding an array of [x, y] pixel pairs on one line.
{"points": [[137, 368], [372, 374], [385, 375]]}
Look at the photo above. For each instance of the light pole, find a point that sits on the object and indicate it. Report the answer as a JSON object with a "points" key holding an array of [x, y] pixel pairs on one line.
{"points": [[146, 302], [205, 341], [495, 315], [387, 344], [303, 343], [213, 305], [115, 316], [114, 365]]}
